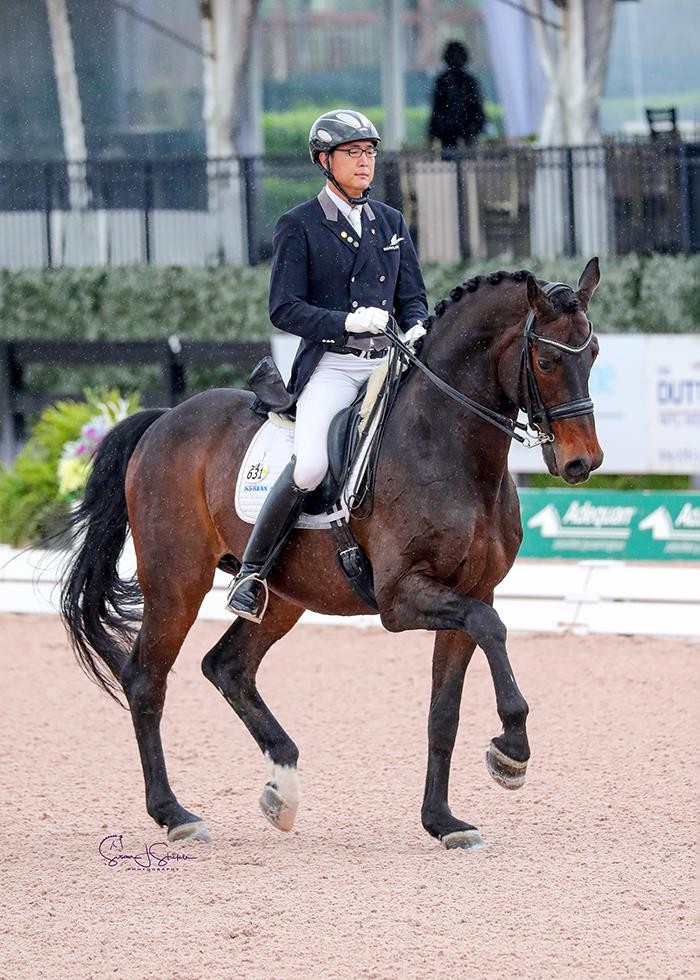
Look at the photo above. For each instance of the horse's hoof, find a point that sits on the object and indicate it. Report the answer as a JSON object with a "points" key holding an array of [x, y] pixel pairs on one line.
{"points": [[276, 809], [467, 840], [508, 773], [190, 831]]}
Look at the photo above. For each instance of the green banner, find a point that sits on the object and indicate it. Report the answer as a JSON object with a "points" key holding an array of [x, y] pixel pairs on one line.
{"points": [[628, 525]]}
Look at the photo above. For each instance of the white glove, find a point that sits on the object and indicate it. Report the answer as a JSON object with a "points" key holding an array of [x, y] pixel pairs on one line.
{"points": [[366, 319], [412, 336]]}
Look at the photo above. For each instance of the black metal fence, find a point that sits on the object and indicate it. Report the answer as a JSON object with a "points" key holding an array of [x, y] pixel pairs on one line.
{"points": [[174, 360], [613, 198]]}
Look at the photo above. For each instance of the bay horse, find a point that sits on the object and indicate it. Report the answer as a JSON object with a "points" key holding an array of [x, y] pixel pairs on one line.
{"points": [[444, 531]]}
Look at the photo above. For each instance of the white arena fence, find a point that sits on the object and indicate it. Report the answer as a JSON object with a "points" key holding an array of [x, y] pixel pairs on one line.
{"points": [[556, 597]]}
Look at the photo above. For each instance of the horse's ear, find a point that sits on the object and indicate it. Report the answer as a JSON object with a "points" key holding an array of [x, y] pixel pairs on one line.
{"points": [[588, 283], [539, 304]]}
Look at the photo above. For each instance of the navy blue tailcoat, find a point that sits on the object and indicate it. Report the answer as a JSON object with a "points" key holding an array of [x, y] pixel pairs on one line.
{"points": [[321, 272]]}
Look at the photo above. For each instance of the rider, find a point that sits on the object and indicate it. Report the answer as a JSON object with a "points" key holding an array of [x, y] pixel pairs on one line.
{"points": [[340, 265]]}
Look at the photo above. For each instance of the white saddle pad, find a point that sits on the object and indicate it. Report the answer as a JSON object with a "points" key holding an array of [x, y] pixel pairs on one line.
{"points": [[267, 455]]}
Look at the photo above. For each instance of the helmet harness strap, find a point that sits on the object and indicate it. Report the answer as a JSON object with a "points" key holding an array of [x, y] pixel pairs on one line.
{"points": [[362, 199]]}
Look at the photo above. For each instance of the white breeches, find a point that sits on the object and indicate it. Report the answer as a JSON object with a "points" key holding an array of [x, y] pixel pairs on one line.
{"points": [[332, 387]]}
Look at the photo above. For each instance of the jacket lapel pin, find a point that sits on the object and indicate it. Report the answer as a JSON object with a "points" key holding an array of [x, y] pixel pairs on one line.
{"points": [[393, 244]]}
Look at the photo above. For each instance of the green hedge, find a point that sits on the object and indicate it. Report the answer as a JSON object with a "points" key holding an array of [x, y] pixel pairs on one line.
{"points": [[638, 294], [657, 294], [133, 303]]}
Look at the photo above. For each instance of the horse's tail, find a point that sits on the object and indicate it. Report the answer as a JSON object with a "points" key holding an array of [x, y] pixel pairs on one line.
{"points": [[98, 608]]}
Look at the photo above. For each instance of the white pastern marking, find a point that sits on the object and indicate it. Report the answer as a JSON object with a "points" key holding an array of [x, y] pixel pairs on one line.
{"points": [[286, 779]]}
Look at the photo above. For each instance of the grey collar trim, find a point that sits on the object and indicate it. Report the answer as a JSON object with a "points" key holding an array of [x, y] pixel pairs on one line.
{"points": [[330, 209]]}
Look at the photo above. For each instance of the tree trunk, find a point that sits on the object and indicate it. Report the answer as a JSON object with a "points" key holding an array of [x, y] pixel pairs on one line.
{"points": [[227, 34], [69, 101], [570, 207], [574, 61], [227, 30]]}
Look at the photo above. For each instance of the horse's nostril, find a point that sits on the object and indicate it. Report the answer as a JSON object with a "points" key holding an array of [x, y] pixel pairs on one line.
{"points": [[576, 470]]}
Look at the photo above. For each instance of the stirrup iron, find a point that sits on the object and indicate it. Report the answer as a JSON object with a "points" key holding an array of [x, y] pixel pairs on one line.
{"points": [[242, 614]]}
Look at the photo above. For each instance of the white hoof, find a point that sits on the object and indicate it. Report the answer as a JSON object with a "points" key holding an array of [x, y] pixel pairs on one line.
{"points": [[468, 840], [280, 798], [190, 831], [276, 810]]}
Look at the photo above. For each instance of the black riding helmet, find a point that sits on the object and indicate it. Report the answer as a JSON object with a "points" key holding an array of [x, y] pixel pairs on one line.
{"points": [[334, 128]]}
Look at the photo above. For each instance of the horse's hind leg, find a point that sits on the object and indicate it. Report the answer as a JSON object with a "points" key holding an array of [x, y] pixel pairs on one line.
{"points": [[232, 666], [144, 678]]}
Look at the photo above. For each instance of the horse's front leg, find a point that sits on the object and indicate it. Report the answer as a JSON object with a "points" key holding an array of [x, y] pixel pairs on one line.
{"points": [[422, 603], [451, 656]]}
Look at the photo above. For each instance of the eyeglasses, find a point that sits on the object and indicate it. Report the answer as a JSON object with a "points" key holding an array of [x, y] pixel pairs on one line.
{"points": [[357, 151]]}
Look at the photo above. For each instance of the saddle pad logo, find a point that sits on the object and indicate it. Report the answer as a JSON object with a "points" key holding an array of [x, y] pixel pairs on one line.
{"points": [[256, 472], [393, 244]]}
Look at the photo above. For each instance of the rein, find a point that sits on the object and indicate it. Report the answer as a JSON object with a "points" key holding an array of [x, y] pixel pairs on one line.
{"points": [[538, 415]]}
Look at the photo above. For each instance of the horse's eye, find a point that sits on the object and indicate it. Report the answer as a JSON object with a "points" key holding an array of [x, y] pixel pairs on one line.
{"points": [[545, 364]]}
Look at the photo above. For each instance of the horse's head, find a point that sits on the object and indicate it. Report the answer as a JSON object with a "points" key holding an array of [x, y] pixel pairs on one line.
{"points": [[559, 350], [543, 364]]}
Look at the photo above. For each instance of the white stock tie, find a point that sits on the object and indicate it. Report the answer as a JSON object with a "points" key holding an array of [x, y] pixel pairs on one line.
{"points": [[355, 219]]}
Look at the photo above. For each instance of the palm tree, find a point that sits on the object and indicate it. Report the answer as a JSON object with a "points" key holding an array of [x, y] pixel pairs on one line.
{"points": [[69, 101], [227, 34], [574, 58], [227, 39]]}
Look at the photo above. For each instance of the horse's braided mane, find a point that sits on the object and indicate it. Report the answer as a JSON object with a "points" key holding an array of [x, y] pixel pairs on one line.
{"points": [[569, 305]]}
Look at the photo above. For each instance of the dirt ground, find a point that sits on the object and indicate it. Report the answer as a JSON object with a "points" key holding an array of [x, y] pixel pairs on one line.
{"points": [[589, 871]]}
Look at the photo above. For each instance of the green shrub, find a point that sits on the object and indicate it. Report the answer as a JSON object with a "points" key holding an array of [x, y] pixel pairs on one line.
{"points": [[135, 302], [612, 481], [128, 303]]}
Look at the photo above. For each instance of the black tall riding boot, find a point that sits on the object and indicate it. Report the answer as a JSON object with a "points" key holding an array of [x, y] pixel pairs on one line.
{"points": [[248, 594]]}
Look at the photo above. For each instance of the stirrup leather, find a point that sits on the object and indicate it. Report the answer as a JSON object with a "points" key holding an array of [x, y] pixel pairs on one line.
{"points": [[251, 617]]}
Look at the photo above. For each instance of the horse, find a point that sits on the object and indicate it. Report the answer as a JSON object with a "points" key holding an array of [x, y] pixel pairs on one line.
{"points": [[443, 532]]}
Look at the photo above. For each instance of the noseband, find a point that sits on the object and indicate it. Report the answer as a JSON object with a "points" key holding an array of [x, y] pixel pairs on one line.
{"points": [[537, 431], [539, 416]]}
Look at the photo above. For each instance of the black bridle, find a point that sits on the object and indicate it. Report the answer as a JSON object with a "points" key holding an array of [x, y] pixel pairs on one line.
{"points": [[539, 416], [537, 431]]}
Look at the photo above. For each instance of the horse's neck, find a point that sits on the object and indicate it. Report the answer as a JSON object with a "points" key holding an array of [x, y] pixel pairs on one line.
{"points": [[464, 358], [461, 343]]}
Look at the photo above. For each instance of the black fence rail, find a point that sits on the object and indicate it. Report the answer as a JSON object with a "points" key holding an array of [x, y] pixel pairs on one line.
{"points": [[173, 358], [613, 198]]}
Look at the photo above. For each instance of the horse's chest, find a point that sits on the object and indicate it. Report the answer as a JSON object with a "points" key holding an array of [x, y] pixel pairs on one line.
{"points": [[469, 548]]}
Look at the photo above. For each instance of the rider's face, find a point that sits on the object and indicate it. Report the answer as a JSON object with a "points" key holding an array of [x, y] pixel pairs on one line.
{"points": [[354, 174]]}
